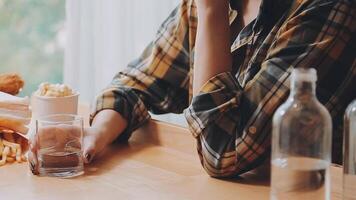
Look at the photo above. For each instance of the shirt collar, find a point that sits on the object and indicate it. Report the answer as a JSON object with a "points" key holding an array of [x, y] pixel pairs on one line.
{"points": [[269, 13], [272, 10]]}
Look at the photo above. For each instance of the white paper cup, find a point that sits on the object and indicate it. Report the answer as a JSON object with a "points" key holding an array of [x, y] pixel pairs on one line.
{"points": [[43, 106]]}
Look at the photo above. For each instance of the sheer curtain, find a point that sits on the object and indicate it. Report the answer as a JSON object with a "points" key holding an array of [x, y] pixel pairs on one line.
{"points": [[104, 35]]}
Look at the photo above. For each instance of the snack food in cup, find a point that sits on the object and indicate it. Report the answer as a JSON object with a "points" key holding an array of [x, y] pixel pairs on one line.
{"points": [[54, 90], [52, 99]]}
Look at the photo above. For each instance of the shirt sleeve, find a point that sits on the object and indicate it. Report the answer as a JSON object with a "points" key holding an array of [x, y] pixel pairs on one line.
{"points": [[158, 80], [232, 124]]}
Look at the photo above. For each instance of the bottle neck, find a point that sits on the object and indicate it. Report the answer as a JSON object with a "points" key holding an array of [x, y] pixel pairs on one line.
{"points": [[303, 90]]}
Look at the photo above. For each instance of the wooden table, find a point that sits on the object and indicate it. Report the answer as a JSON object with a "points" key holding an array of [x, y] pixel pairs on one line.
{"points": [[159, 162]]}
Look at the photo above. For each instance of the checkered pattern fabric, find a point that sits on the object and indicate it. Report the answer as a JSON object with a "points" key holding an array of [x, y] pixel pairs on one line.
{"points": [[231, 116]]}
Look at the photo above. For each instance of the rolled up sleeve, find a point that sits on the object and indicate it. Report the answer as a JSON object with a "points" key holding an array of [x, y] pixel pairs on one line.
{"points": [[216, 98], [125, 101], [233, 125], [213, 120], [157, 81]]}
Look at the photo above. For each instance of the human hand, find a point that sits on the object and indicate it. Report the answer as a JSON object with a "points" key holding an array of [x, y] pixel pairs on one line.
{"points": [[106, 127], [94, 141]]}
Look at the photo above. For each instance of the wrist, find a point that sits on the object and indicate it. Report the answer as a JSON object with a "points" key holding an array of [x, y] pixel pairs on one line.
{"points": [[99, 129], [109, 121]]}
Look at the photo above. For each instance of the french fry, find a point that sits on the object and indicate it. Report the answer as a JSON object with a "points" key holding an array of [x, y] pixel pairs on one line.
{"points": [[10, 159], [13, 152], [1, 147], [11, 144], [18, 155], [5, 152], [19, 150], [23, 158]]}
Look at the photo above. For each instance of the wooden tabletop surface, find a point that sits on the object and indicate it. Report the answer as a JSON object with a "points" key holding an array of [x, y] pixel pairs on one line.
{"points": [[159, 162]]}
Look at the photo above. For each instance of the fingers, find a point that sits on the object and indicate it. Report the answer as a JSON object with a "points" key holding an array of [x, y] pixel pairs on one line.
{"points": [[32, 154], [88, 157], [91, 144], [33, 164], [88, 149], [33, 160]]}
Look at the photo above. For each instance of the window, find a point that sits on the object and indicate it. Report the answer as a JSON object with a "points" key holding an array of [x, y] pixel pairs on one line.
{"points": [[32, 40], [104, 36], [101, 38]]}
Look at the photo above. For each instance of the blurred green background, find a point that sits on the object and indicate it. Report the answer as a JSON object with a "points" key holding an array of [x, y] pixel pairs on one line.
{"points": [[32, 37]]}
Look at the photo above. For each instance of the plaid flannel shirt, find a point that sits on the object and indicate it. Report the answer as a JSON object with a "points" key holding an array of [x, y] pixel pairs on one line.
{"points": [[231, 116]]}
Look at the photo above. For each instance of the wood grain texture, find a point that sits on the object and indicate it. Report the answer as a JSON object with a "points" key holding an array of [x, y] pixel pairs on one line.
{"points": [[159, 162]]}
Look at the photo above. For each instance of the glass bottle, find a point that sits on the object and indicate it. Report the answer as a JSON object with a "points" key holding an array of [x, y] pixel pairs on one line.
{"points": [[301, 143], [349, 178]]}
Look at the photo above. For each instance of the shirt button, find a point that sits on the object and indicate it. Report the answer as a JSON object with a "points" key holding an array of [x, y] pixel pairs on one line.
{"points": [[252, 129]]}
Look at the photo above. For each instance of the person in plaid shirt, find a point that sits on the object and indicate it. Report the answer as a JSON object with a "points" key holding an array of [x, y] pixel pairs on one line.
{"points": [[227, 66]]}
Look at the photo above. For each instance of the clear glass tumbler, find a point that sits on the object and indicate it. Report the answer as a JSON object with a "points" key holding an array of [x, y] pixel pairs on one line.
{"points": [[59, 145], [349, 179]]}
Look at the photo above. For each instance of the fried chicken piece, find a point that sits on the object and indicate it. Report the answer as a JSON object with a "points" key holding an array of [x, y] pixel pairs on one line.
{"points": [[11, 83]]}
